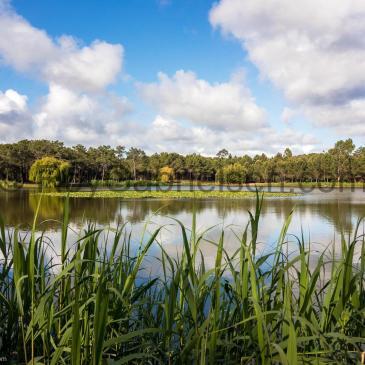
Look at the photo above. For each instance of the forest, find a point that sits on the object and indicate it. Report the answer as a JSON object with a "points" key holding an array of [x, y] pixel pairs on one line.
{"points": [[344, 162]]}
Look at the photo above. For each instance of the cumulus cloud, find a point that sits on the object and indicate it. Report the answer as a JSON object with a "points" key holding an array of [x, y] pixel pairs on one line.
{"points": [[79, 118], [228, 105], [12, 102], [62, 60], [165, 134], [22, 46], [89, 68], [288, 114], [194, 115], [197, 116], [78, 107], [314, 51], [15, 119]]}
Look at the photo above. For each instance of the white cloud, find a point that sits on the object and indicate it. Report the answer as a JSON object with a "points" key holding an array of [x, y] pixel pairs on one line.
{"points": [[22, 46], [88, 68], [78, 107], [79, 118], [228, 105], [15, 119], [169, 130], [12, 102], [197, 116], [314, 51], [62, 61], [194, 114], [288, 114], [299, 142], [165, 134]]}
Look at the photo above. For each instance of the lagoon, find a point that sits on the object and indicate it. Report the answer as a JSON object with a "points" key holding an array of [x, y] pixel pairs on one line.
{"points": [[322, 215]]}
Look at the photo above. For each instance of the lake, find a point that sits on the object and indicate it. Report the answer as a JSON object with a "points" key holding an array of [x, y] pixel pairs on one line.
{"points": [[321, 215]]}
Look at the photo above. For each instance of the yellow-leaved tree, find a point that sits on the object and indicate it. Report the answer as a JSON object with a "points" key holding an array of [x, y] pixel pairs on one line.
{"points": [[166, 174], [49, 171]]}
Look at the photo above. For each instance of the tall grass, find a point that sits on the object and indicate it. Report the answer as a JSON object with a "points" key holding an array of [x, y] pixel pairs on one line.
{"points": [[91, 304]]}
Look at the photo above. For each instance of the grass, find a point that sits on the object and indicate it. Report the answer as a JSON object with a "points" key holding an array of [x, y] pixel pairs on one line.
{"points": [[304, 184], [7, 184], [150, 183], [14, 185], [125, 183], [319, 184], [168, 194], [93, 303]]}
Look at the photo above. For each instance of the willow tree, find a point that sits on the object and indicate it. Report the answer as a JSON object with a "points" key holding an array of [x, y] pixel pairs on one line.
{"points": [[49, 171], [166, 174]]}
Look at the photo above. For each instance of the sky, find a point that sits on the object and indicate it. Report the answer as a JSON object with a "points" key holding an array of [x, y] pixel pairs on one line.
{"points": [[185, 76]]}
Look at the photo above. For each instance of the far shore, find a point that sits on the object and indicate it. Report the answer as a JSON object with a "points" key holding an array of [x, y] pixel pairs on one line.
{"points": [[132, 194], [138, 183]]}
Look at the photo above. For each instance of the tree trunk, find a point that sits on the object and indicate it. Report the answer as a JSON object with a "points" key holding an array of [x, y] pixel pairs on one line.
{"points": [[102, 173], [134, 170]]}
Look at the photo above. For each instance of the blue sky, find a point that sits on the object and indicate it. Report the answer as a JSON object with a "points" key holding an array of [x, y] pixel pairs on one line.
{"points": [[185, 76]]}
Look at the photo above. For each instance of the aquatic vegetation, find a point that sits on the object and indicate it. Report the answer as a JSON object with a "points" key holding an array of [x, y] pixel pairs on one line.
{"points": [[6, 184], [93, 303], [164, 194], [126, 183]]}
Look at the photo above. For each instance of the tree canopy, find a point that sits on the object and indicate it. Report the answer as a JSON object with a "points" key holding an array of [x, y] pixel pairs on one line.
{"points": [[342, 162], [49, 171], [166, 174]]}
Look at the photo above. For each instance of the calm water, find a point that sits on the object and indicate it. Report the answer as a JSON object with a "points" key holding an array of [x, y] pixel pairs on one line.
{"points": [[322, 216]]}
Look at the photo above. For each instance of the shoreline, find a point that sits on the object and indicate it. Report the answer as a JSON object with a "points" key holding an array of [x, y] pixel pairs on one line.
{"points": [[166, 195]]}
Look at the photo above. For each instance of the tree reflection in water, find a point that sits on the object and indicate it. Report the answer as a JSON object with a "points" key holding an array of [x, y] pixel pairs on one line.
{"points": [[333, 212]]}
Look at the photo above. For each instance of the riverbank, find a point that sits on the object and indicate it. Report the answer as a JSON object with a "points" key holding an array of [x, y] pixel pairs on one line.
{"points": [[11, 185], [133, 194], [305, 184]]}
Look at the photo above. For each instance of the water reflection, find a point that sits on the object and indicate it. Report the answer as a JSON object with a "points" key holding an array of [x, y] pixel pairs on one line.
{"points": [[322, 214]]}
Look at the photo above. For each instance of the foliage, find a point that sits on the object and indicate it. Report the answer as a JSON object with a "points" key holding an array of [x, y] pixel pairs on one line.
{"points": [[164, 193], [95, 304], [125, 183], [341, 163], [49, 171], [137, 161], [234, 173], [166, 174], [5, 184]]}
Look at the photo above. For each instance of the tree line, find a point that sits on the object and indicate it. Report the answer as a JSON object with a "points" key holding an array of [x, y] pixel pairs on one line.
{"points": [[341, 163]]}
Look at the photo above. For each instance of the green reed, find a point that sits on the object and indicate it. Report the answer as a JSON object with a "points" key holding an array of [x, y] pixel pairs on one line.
{"points": [[91, 303]]}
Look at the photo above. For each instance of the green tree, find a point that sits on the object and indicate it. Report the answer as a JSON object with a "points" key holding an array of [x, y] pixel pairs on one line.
{"points": [[288, 153], [234, 173], [154, 166], [340, 163], [222, 154], [178, 164], [314, 167], [119, 172], [359, 163], [49, 171], [342, 159], [104, 158], [194, 166], [136, 159]]}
